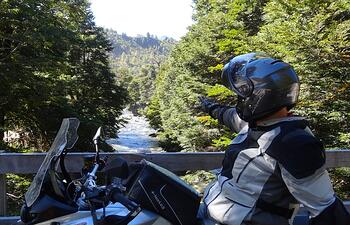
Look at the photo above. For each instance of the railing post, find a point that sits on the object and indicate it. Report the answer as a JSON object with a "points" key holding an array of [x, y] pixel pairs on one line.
{"points": [[3, 203]]}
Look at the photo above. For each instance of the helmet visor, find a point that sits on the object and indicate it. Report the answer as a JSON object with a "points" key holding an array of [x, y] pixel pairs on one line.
{"points": [[234, 74], [234, 78], [242, 86]]}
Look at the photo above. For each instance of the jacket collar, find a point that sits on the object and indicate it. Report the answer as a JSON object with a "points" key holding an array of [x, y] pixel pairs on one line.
{"points": [[279, 120]]}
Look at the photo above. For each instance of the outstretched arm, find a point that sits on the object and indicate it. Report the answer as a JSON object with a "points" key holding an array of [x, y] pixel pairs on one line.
{"points": [[225, 114]]}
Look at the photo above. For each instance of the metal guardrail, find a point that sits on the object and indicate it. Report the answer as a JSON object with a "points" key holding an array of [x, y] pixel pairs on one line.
{"points": [[29, 163]]}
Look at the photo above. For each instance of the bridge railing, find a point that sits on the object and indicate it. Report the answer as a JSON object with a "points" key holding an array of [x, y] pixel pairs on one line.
{"points": [[29, 163]]}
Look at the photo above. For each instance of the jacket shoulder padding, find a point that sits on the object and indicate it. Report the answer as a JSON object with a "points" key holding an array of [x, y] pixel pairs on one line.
{"points": [[299, 152]]}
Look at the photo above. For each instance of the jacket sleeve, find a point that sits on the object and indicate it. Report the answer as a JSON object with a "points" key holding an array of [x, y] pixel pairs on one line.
{"points": [[228, 116], [315, 192], [303, 171]]}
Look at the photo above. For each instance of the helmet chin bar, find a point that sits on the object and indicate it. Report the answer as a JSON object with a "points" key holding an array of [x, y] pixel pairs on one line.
{"points": [[263, 104]]}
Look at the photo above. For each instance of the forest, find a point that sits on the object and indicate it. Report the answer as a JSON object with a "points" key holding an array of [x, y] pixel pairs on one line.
{"points": [[136, 62], [313, 36], [52, 55], [56, 63]]}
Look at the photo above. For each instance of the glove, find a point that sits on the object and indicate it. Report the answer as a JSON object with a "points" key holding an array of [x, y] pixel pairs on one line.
{"points": [[207, 106]]}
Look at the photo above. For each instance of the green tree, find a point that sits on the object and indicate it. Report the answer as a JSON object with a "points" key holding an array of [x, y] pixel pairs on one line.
{"points": [[314, 37], [54, 64], [221, 30]]}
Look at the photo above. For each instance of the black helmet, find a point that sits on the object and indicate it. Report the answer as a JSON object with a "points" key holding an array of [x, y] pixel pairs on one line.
{"points": [[264, 85]]}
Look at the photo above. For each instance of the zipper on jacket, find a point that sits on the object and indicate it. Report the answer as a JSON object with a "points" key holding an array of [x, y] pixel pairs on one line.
{"points": [[246, 165]]}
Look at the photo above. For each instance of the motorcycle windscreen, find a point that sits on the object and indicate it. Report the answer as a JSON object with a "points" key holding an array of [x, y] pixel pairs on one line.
{"points": [[65, 138]]}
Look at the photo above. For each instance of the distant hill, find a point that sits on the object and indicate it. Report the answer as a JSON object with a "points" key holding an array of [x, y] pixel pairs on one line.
{"points": [[123, 43], [136, 61]]}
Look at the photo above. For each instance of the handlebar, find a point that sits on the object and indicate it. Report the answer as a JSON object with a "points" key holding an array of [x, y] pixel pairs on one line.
{"points": [[91, 193], [114, 192], [90, 182]]}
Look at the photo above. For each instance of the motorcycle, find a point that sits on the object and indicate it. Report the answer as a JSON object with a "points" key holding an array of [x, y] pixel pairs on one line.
{"points": [[146, 194], [138, 194]]}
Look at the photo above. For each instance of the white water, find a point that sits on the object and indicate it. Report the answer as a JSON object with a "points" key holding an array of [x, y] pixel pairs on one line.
{"points": [[135, 136]]}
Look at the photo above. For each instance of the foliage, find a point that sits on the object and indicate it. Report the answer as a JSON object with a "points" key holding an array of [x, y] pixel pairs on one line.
{"points": [[199, 179], [16, 188], [311, 35], [194, 69], [314, 38], [341, 181], [54, 64]]}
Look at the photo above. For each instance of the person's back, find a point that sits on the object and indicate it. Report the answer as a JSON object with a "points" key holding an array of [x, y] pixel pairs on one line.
{"points": [[275, 162]]}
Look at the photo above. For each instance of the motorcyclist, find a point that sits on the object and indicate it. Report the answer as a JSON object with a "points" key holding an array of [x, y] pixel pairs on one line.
{"points": [[275, 162]]}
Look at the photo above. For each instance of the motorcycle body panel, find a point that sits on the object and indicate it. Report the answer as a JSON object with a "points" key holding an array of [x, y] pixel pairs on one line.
{"points": [[145, 217]]}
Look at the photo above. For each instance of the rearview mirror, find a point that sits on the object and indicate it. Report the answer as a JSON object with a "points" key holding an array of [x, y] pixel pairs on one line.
{"points": [[97, 136]]}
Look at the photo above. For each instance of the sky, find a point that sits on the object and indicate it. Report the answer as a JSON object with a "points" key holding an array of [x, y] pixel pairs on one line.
{"points": [[137, 17]]}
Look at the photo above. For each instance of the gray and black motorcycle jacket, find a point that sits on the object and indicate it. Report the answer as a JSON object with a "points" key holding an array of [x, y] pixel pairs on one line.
{"points": [[267, 171]]}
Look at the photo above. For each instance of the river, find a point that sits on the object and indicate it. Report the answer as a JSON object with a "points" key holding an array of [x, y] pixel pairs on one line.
{"points": [[135, 136]]}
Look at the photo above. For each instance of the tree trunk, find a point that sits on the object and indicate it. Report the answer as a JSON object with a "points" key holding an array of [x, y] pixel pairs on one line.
{"points": [[2, 124]]}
